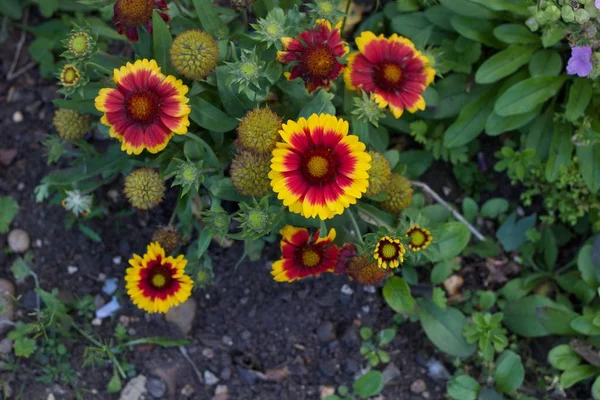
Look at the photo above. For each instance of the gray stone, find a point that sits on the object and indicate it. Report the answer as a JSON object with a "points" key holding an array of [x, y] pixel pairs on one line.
{"points": [[350, 337], [6, 346], [183, 315], [156, 388], [418, 386], [187, 391], [390, 373], [326, 332], [351, 366], [225, 374], [135, 389], [18, 240], [328, 367], [209, 378]]}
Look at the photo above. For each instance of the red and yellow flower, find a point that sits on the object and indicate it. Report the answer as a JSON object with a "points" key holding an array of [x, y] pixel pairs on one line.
{"points": [[389, 252], [419, 238], [129, 15], [319, 169], [146, 109], [303, 255], [156, 283], [314, 55], [391, 70]]}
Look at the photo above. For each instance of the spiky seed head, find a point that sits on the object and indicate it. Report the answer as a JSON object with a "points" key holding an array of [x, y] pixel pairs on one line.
{"points": [[250, 173], [144, 188], [399, 192], [365, 271], [379, 174], [194, 54], [168, 237], [70, 124], [259, 130]]}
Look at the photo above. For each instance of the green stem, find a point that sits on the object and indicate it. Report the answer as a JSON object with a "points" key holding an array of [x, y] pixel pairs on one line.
{"points": [[173, 215], [101, 68], [112, 357], [355, 225], [345, 16]]}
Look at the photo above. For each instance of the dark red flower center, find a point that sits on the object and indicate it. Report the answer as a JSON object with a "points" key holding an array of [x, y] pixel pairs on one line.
{"points": [[319, 61], [319, 166], [134, 12], [143, 107], [157, 280], [309, 256], [388, 76]]}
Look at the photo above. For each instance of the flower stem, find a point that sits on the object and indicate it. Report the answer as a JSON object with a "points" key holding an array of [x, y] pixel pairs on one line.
{"points": [[345, 16], [355, 225], [100, 67]]}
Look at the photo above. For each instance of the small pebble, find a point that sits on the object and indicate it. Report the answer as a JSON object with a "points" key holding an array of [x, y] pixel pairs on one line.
{"points": [[369, 289], [117, 260], [17, 117], [38, 243], [96, 322], [71, 269], [156, 388], [227, 340], [208, 353], [20, 186], [326, 332], [418, 386], [347, 290], [365, 309], [210, 379], [18, 240], [188, 390], [221, 389], [108, 309], [110, 286]]}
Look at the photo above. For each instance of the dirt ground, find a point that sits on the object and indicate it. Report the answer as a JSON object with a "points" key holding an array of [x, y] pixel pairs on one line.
{"points": [[303, 336]]}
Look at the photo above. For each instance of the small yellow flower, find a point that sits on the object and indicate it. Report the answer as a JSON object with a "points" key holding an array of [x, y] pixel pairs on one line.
{"points": [[419, 238], [250, 173], [144, 188], [194, 54], [389, 252], [70, 124], [69, 75], [156, 283]]}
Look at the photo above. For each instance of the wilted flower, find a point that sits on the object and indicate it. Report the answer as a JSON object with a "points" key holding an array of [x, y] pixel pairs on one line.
{"points": [[194, 54], [129, 15], [365, 271], [77, 203], [379, 174], [167, 237], [580, 63], [389, 252], [399, 194], [144, 188], [304, 255], [250, 173], [155, 283], [54, 148], [259, 130], [70, 124]]}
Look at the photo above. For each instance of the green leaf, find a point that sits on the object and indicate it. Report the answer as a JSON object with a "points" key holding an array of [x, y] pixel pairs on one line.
{"points": [[396, 293], [573, 284], [576, 374], [12, 9], [497, 124], [442, 270], [114, 385], [511, 233], [210, 117], [463, 387], [470, 209], [557, 320], [509, 374], [320, 104], [504, 63], [89, 232], [234, 103], [580, 95], [585, 326], [438, 15], [20, 269], [471, 120], [448, 242], [562, 357], [469, 9], [24, 347], [515, 34], [476, 29], [439, 297], [368, 385], [588, 266], [8, 210], [494, 207], [526, 95], [487, 300], [48, 7], [545, 63], [552, 35], [489, 394], [162, 40], [209, 19], [589, 165], [596, 389], [550, 248], [385, 336], [521, 315], [373, 215], [444, 328]]}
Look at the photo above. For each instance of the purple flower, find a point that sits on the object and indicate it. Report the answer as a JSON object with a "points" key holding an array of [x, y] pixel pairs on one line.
{"points": [[597, 4], [580, 62]]}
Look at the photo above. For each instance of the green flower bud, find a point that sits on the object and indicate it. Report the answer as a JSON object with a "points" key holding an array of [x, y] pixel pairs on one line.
{"points": [[144, 188], [194, 54], [552, 13], [70, 124], [567, 13]]}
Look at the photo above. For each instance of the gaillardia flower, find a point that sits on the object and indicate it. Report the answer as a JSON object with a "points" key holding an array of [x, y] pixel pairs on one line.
{"points": [[303, 255], [391, 70], [145, 109], [319, 169], [70, 75], [315, 55], [365, 271], [70, 124], [259, 130], [194, 54], [144, 188], [389, 252], [129, 15], [419, 238], [156, 283]]}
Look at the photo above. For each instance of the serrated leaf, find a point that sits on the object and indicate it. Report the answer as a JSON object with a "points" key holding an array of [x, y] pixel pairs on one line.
{"points": [[24, 347], [8, 210]]}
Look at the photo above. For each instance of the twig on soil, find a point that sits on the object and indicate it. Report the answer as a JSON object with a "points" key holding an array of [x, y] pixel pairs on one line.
{"points": [[185, 355], [20, 43], [448, 207], [21, 71]]}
